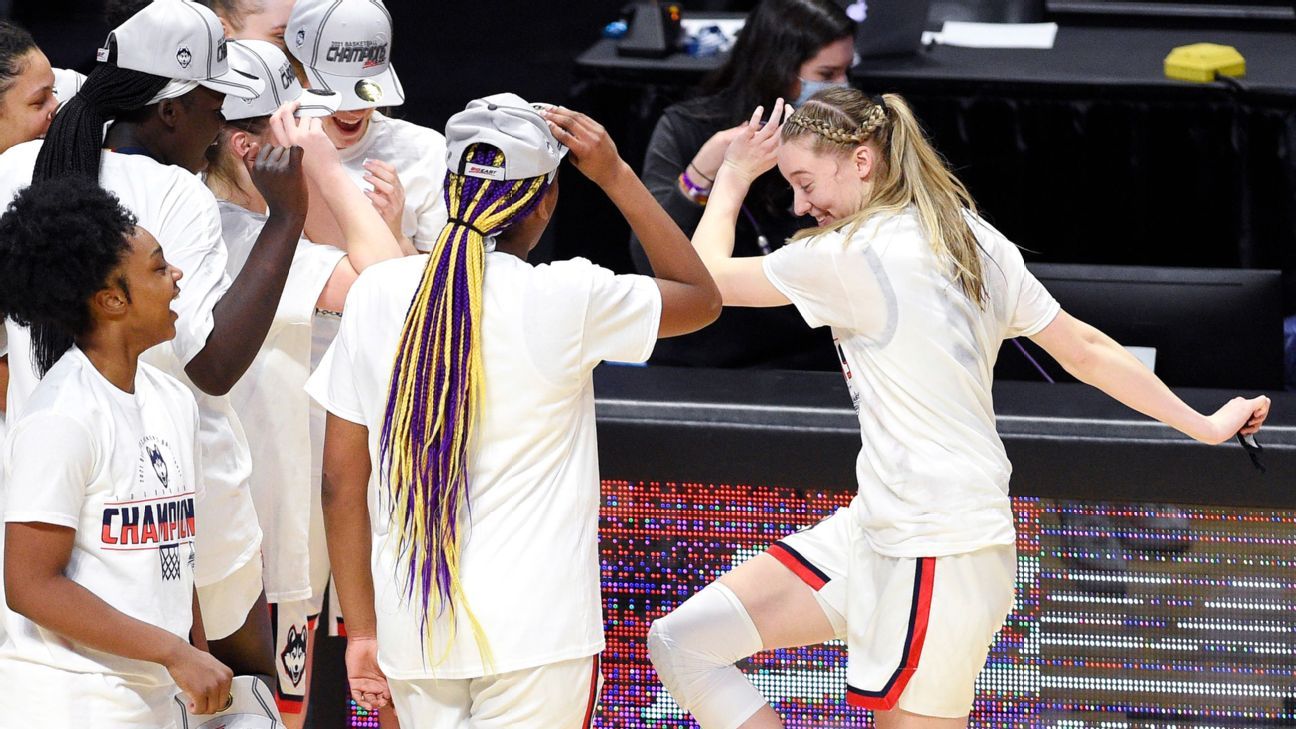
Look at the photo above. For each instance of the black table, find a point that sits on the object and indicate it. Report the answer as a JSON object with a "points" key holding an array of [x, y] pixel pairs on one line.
{"points": [[1084, 153]]}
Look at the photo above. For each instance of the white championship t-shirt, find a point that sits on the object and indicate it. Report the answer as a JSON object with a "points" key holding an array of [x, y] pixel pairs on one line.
{"points": [[181, 213], [272, 403], [918, 357], [530, 561], [121, 469], [419, 156]]}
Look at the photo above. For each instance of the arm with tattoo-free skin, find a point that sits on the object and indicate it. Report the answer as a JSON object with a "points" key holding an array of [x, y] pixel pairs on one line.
{"points": [[242, 318], [36, 556], [365, 235], [690, 300], [350, 543]]}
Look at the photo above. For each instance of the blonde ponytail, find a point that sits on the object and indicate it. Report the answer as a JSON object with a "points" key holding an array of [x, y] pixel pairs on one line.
{"points": [[914, 174]]}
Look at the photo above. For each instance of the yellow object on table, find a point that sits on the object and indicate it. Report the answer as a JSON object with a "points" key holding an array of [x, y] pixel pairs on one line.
{"points": [[1201, 62]]}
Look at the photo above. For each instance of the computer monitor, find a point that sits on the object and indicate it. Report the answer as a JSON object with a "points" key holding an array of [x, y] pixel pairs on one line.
{"points": [[887, 27], [1209, 327]]}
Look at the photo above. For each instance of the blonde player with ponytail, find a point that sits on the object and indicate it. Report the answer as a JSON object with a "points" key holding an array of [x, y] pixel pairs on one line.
{"points": [[917, 573], [460, 460]]}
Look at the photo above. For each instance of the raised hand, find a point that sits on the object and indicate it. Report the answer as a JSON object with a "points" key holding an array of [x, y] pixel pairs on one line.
{"points": [[754, 149], [204, 681], [368, 683], [592, 150], [388, 194], [707, 161], [308, 133], [278, 176]]}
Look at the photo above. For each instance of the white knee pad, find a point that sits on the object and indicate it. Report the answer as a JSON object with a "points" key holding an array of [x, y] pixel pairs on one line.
{"points": [[694, 648]]}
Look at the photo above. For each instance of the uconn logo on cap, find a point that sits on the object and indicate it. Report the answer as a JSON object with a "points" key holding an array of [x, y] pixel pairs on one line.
{"points": [[184, 57], [221, 52]]}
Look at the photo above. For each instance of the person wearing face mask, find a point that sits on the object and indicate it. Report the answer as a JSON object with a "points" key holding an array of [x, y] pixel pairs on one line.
{"points": [[344, 46], [788, 49]]}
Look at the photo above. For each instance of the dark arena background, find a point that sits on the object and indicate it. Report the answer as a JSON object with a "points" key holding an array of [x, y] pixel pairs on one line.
{"points": [[1128, 613]]}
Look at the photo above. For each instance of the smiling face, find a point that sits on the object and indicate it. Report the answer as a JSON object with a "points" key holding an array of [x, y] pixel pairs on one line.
{"points": [[28, 105], [346, 128], [826, 185]]}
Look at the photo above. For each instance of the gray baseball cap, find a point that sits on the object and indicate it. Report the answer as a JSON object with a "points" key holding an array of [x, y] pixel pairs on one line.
{"points": [[345, 47], [512, 124], [264, 60], [182, 41]]}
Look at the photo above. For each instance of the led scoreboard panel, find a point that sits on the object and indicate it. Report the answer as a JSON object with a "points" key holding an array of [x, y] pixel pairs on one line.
{"points": [[1156, 579]]}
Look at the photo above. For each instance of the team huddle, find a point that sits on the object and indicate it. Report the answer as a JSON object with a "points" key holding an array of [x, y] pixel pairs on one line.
{"points": [[276, 357]]}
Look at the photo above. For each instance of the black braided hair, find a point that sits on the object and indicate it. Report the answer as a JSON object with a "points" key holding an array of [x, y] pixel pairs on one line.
{"points": [[74, 142]]}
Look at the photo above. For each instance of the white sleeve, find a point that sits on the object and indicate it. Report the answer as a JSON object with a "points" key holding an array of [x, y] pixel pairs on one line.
{"points": [[1034, 308], [333, 384], [622, 317], [49, 462], [831, 285], [190, 234], [808, 276]]}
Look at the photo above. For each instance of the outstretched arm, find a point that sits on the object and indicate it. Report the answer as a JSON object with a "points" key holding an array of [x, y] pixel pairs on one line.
{"points": [[1096, 359], [690, 300]]}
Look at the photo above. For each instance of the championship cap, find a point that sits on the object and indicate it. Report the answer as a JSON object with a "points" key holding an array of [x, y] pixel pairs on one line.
{"points": [[266, 62], [345, 46], [514, 126], [180, 40]]}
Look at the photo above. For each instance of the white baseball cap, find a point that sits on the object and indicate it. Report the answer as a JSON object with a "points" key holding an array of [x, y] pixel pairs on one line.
{"points": [[508, 122], [180, 40], [267, 62], [345, 46]]}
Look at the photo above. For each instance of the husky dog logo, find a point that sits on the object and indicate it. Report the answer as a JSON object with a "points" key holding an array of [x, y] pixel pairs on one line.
{"points": [[184, 57], [300, 38], [293, 657], [159, 463]]}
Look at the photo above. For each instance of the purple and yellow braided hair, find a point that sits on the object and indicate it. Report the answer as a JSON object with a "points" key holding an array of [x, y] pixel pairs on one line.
{"points": [[435, 391]]}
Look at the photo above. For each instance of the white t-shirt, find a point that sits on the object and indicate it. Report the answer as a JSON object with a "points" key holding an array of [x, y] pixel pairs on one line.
{"points": [[419, 156], [272, 403], [918, 357], [181, 213], [121, 469], [530, 559]]}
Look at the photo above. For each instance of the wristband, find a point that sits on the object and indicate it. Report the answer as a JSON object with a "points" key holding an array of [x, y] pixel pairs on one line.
{"points": [[698, 172], [691, 189]]}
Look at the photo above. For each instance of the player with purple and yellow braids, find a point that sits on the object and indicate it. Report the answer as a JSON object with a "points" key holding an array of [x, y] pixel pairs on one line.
{"points": [[435, 389], [460, 460]]}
